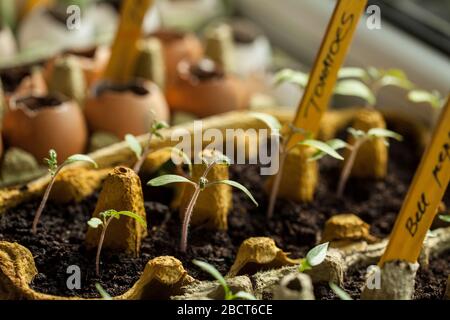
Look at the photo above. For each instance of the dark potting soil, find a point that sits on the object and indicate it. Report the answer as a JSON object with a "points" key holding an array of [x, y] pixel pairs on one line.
{"points": [[295, 228], [37, 103], [431, 282]]}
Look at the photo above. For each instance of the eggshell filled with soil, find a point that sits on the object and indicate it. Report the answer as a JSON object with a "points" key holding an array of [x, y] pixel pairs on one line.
{"points": [[123, 109], [37, 124]]}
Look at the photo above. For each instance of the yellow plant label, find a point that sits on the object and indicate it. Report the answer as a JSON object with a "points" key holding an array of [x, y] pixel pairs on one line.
{"points": [[423, 198], [331, 55], [124, 50]]}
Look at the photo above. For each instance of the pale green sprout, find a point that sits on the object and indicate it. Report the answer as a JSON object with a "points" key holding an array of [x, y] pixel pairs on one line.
{"points": [[367, 83], [210, 158], [54, 169], [434, 98], [135, 146], [339, 291], [105, 295], [314, 257], [323, 148], [361, 137], [229, 295], [445, 218], [106, 218]]}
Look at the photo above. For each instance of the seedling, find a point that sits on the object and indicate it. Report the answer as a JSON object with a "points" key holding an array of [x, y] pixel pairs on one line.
{"points": [[105, 219], [358, 82], [445, 218], [361, 137], [434, 98], [210, 159], [135, 146], [105, 295], [339, 291], [54, 169], [367, 83], [229, 295], [323, 149], [314, 257]]}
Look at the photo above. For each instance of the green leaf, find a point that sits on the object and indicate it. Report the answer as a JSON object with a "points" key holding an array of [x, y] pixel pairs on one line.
{"points": [[445, 218], [159, 125], [105, 295], [323, 147], [351, 72], [214, 273], [270, 121], [335, 144], [52, 162], [304, 265], [421, 96], [134, 216], [395, 81], [134, 145], [95, 223], [317, 254], [168, 179], [384, 133], [242, 295], [356, 133], [81, 157], [214, 156], [355, 88], [295, 77], [236, 185], [340, 292]]}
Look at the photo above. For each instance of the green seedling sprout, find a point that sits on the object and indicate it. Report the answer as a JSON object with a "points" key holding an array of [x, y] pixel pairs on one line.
{"points": [[135, 146], [105, 295], [105, 219], [361, 137], [210, 159], [367, 83], [339, 291], [445, 218], [229, 295], [314, 257], [54, 169], [358, 82], [434, 98], [323, 148]]}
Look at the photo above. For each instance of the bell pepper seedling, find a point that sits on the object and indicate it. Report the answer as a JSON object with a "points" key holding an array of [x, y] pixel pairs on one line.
{"points": [[229, 295], [314, 257], [339, 291]]}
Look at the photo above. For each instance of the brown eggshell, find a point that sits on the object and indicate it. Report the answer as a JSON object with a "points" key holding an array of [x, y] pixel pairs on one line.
{"points": [[178, 46], [93, 62], [206, 97], [125, 111], [60, 126]]}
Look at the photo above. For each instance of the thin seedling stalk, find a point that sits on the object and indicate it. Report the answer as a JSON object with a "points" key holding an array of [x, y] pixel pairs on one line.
{"points": [[345, 174], [44, 200], [276, 186], [190, 209], [100, 245], [137, 167]]}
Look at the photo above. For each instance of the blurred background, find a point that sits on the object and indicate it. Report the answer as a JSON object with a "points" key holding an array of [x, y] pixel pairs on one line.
{"points": [[246, 42]]}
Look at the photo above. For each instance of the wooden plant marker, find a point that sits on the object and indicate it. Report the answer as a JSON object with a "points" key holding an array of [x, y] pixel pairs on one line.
{"points": [[323, 77], [423, 198], [124, 50]]}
